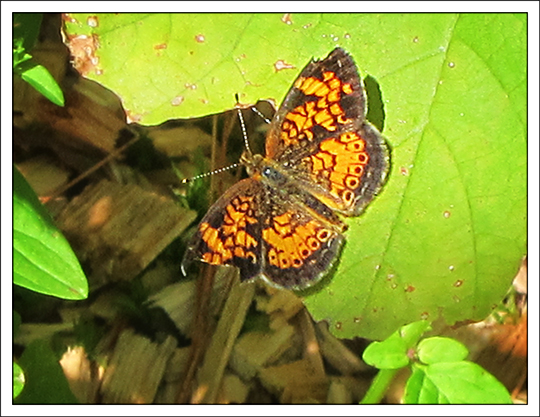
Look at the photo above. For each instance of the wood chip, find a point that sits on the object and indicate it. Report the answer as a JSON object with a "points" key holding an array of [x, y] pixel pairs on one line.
{"points": [[119, 229], [135, 369], [295, 383], [336, 353], [256, 349], [83, 381]]}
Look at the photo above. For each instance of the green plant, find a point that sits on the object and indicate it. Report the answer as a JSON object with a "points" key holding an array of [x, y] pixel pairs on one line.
{"points": [[439, 372], [43, 260], [25, 30]]}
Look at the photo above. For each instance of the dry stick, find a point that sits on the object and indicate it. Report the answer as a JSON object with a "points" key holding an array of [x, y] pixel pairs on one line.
{"points": [[105, 160], [220, 347], [200, 331], [199, 336]]}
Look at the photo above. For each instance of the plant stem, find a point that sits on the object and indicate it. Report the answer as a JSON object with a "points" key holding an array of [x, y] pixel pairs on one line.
{"points": [[379, 386]]}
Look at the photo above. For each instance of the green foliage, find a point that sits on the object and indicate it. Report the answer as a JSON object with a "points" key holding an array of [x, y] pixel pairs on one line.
{"points": [[25, 31], [392, 353], [440, 373], [43, 261]]}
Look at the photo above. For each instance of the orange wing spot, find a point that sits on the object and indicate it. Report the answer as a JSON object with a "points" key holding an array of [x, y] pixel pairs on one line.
{"points": [[308, 125], [336, 109], [324, 118], [270, 236], [298, 119], [333, 96], [322, 103], [273, 258], [363, 158], [328, 75], [244, 206], [348, 137], [356, 146], [313, 243], [303, 232], [209, 234], [283, 219], [311, 109], [218, 254], [347, 88], [297, 263], [239, 252], [229, 242], [332, 146], [301, 247], [313, 86], [234, 214], [323, 235], [352, 182], [343, 120], [283, 261], [335, 84], [245, 239], [303, 83], [348, 196], [356, 170], [300, 110], [282, 229]]}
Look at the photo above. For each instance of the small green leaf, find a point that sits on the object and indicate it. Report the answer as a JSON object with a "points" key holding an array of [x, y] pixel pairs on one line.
{"points": [[43, 261], [392, 352], [45, 380], [41, 79], [441, 349], [454, 383], [18, 380], [420, 390], [412, 332], [19, 54], [388, 354]]}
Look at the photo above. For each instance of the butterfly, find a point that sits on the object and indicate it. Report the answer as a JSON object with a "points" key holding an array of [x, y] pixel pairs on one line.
{"points": [[323, 159]]}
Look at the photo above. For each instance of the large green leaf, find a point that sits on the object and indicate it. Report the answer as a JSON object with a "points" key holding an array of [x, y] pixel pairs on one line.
{"points": [[447, 234], [43, 260], [448, 231]]}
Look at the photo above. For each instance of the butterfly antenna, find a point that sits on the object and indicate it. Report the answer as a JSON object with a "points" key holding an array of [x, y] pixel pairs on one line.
{"points": [[206, 174], [244, 132], [262, 116], [246, 142]]}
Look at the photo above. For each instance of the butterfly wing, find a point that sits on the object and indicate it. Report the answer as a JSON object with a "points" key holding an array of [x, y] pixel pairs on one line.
{"points": [[230, 232], [321, 136]]}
